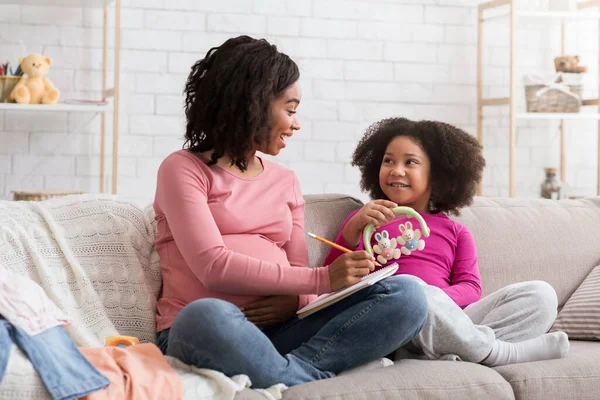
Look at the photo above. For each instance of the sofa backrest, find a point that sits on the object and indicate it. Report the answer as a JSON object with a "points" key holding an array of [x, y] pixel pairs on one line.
{"points": [[111, 243], [323, 216], [527, 239], [517, 239]]}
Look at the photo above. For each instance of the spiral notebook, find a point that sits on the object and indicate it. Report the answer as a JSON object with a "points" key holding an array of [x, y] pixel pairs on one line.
{"points": [[325, 300]]}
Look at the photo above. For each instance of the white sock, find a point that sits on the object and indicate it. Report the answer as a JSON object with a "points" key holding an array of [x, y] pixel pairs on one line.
{"points": [[545, 347], [382, 362]]}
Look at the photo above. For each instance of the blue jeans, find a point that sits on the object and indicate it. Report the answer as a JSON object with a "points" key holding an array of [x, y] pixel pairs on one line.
{"points": [[370, 324], [66, 373]]}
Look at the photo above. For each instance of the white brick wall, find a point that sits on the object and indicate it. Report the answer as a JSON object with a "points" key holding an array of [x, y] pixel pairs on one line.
{"points": [[361, 60]]}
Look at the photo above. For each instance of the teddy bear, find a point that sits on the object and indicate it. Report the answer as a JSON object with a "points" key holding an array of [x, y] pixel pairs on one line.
{"points": [[410, 239], [35, 88], [569, 64], [385, 247]]}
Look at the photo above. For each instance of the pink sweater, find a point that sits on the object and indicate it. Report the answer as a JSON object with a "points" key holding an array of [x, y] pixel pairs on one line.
{"points": [[448, 261], [227, 237]]}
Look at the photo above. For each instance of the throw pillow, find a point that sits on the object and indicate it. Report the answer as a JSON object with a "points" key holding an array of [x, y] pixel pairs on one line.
{"points": [[580, 317]]}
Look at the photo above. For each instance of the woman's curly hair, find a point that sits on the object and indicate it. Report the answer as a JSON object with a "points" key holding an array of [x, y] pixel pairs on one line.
{"points": [[456, 159], [228, 97]]}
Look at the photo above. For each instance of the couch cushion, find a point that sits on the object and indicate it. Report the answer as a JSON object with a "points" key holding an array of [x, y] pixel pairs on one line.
{"points": [[324, 215], [528, 239], [580, 317], [249, 394], [575, 377], [410, 379]]}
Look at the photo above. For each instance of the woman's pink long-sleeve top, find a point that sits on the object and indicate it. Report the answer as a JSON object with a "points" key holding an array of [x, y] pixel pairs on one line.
{"points": [[223, 236]]}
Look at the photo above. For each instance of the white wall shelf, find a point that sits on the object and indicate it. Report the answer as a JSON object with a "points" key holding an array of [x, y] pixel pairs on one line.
{"points": [[559, 14], [493, 9], [559, 116], [61, 3], [60, 107], [556, 15]]}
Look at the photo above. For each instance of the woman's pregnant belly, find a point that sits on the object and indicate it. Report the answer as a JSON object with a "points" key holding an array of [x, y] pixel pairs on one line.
{"points": [[259, 247], [255, 246]]}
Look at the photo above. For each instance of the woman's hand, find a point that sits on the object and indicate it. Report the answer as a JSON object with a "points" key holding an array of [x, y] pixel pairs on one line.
{"points": [[271, 310], [349, 268], [375, 212]]}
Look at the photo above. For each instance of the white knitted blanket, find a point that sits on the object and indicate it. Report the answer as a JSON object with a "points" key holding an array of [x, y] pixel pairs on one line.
{"points": [[94, 256]]}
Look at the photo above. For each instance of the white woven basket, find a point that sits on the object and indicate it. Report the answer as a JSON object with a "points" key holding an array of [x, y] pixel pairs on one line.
{"points": [[558, 93]]}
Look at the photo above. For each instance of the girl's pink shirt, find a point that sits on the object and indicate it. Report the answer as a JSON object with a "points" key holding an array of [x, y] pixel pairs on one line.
{"points": [[448, 261]]}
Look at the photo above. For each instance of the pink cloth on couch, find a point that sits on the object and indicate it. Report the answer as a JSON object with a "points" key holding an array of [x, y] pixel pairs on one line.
{"points": [[135, 372]]}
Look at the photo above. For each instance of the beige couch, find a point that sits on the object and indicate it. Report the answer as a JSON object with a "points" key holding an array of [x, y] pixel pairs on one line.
{"points": [[517, 239]]}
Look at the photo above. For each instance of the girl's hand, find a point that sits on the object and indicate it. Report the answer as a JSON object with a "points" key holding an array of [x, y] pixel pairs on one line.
{"points": [[375, 212], [349, 268], [272, 310]]}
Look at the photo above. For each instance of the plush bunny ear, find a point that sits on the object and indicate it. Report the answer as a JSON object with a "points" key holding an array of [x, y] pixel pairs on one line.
{"points": [[378, 237], [408, 225], [402, 227], [385, 234]]}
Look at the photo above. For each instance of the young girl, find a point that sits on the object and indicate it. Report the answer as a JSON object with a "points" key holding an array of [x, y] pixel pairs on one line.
{"points": [[435, 168]]}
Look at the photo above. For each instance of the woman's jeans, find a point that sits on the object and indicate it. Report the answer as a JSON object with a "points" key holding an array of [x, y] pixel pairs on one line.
{"points": [[370, 324]]}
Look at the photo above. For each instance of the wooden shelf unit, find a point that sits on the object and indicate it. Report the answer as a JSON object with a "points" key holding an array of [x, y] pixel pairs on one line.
{"points": [[56, 107], [513, 16], [107, 92]]}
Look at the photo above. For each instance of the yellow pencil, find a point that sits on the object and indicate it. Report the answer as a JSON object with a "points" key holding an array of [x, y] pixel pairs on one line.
{"points": [[335, 245]]}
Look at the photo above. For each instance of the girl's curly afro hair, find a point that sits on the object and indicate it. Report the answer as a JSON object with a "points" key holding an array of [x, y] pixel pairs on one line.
{"points": [[456, 158]]}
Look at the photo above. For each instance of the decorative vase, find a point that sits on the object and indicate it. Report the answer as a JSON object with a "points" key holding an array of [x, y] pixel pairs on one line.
{"points": [[551, 186]]}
